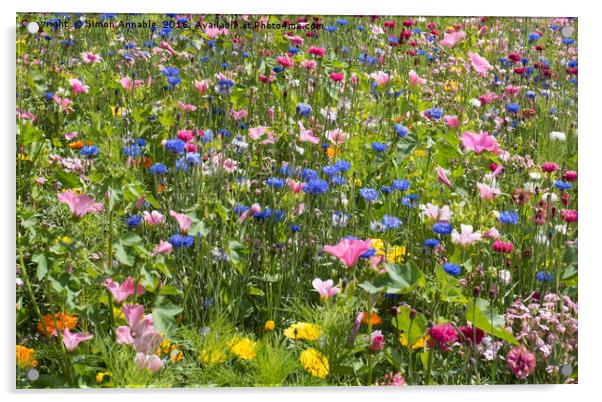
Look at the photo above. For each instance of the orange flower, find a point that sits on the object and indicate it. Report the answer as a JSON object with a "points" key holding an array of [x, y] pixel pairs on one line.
{"points": [[147, 162], [373, 317], [62, 320], [76, 145], [26, 357], [332, 152], [160, 188]]}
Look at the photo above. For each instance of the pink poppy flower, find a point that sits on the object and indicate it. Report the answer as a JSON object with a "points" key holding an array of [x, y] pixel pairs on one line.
{"points": [[230, 165], [64, 103], [450, 39], [78, 87], [240, 114], [295, 186], [480, 142], [166, 46], [126, 289], [435, 213], [183, 220], [521, 362], [71, 135], [377, 341], [212, 32], [442, 177], [151, 362], [90, 58], [255, 208], [24, 115], [72, 340], [381, 78], [486, 192], [337, 77], [202, 86], [79, 204], [451, 121], [285, 61], [128, 84], [307, 135], [295, 40], [480, 64], [316, 51], [140, 330], [466, 236], [185, 107], [349, 251], [337, 136], [492, 234], [256, 132], [164, 247], [325, 288], [309, 64], [415, 79]]}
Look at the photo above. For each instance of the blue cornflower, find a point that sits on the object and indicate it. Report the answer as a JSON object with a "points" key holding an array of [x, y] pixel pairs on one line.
{"points": [[534, 36], [49, 95], [431, 243], [141, 142], [330, 170], [513, 108], [341, 21], [207, 136], [391, 222], [275, 182], [193, 158], [132, 150], [309, 174], [568, 41], [295, 228], [386, 189], [263, 214], [379, 146], [401, 185], [176, 146], [330, 28], [89, 150], [240, 209], [278, 215], [224, 86], [401, 130], [343, 165], [303, 109], [562, 185], [434, 113], [508, 218], [530, 94], [179, 240], [338, 180], [158, 168], [442, 228], [315, 186], [368, 253], [369, 194], [452, 269], [545, 276], [134, 221], [181, 165], [170, 71]]}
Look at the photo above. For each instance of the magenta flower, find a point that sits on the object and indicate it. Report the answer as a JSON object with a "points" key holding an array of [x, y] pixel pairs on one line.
{"points": [[139, 331], [325, 288], [202, 86], [480, 64], [443, 336], [71, 340], [480, 142], [521, 362], [183, 220], [90, 58], [79, 204], [255, 208], [151, 362], [377, 341], [442, 177], [349, 251], [78, 87], [415, 79], [307, 135], [381, 78], [450, 39], [164, 247], [153, 218], [451, 121], [126, 289]]}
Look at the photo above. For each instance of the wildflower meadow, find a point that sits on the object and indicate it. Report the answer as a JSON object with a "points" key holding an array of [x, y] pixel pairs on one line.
{"points": [[255, 200]]}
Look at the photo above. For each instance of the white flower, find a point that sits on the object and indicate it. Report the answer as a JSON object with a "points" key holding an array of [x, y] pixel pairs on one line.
{"points": [[505, 276], [535, 175], [557, 136], [542, 239], [475, 102], [549, 197]]}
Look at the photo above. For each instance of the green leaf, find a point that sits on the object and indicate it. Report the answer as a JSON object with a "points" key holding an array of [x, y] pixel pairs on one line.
{"points": [[122, 254], [484, 317], [404, 279], [413, 330], [69, 180], [42, 265], [235, 251], [449, 287], [169, 290], [164, 314]]}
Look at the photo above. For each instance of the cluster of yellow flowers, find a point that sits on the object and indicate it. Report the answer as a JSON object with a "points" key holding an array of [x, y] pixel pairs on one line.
{"points": [[244, 348], [394, 254], [302, 331], [170, 350], [269, 325], [26, 357], [314, 363], [417, 345]]}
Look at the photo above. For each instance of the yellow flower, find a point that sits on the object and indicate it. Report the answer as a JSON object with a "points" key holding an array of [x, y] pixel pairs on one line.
{"points": [[450, 86], [269, 325], [420, 153], [100, 376], [25, 357], [396, 254], [211, 357], [417, 345], [314, 363], [244, 348], [302, 330], [118, 313], [379, 246]]}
